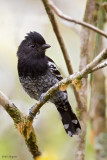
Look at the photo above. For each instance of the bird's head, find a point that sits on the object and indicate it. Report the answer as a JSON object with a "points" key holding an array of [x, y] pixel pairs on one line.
{"points": [[33, 46]]}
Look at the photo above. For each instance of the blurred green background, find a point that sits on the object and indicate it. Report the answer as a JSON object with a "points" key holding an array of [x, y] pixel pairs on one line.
{"points": [[16, 19]]}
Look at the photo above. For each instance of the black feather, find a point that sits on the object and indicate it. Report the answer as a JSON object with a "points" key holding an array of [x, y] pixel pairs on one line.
{"points": [[69, 120], [54, 70], [35, 37], [37, 73]]}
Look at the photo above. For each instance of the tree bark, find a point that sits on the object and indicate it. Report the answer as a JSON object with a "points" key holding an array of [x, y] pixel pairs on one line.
{"points": [[84, 58], [98, 96]]}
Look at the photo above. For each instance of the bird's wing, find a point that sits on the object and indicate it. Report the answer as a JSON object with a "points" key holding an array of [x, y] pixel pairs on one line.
{"points": [[54, 69]]}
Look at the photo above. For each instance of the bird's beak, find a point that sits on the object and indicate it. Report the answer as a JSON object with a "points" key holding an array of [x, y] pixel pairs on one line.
{"points": [[45, 46]]}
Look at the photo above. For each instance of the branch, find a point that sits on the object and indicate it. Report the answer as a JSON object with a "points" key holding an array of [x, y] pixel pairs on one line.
{"points": [[97, 60], [58, 35], [12, 110], [82, 74], [84, 51], [62, 45], [65, 17], [102, 65], [22, 124]]}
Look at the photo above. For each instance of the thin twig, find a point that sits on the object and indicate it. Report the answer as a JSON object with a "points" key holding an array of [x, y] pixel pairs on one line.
{"points": [[102, 65], [62, 45], [88, 69], [97, 60], [65, 17], [58, 35]]}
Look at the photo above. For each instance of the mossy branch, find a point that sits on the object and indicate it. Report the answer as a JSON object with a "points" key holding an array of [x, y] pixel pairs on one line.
{"points": [[22, 124]]}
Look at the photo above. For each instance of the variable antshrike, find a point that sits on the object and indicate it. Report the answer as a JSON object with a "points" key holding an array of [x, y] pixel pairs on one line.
{"points": [[37, 73]]}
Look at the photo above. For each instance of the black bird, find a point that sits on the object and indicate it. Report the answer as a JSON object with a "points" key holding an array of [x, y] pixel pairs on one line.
{"points": [[37, 73]]}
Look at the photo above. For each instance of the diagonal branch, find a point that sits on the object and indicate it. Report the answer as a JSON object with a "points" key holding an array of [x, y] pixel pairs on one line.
{"points": [[101, 65], [82, 74], [97, 60], [67, 18], [12, 110]]}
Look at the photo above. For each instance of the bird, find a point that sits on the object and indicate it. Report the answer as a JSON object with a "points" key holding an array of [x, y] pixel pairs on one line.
{"points": [[38, 73]]}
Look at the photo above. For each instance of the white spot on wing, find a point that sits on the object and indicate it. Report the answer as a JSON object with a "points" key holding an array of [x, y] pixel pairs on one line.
{"points": [[64, 95], [54, 69], [52, 64], [74, 121], [66, 126], [69, 133]]}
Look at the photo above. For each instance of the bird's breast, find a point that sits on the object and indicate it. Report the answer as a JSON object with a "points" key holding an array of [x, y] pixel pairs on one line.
{"points": [[35, 86]]}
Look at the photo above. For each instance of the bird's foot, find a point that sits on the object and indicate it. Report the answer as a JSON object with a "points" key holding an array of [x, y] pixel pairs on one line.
{"points": [[42, 97], [31, 112]]}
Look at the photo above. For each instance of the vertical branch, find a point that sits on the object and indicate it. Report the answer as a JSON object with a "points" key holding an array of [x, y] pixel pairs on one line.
{"points": [[62, 45], [85, 48], [98, 97], [58, 35]]}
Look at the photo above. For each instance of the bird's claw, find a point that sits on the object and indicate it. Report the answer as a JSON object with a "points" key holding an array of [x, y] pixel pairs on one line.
{"points": [[42, 97], [31, 112]]}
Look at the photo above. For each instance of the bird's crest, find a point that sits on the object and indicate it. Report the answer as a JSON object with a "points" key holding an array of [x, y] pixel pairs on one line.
{"points": [[35, 37]]}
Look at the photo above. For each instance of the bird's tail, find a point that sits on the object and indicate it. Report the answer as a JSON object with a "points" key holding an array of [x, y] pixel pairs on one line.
{"points": [[69, 120]]}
